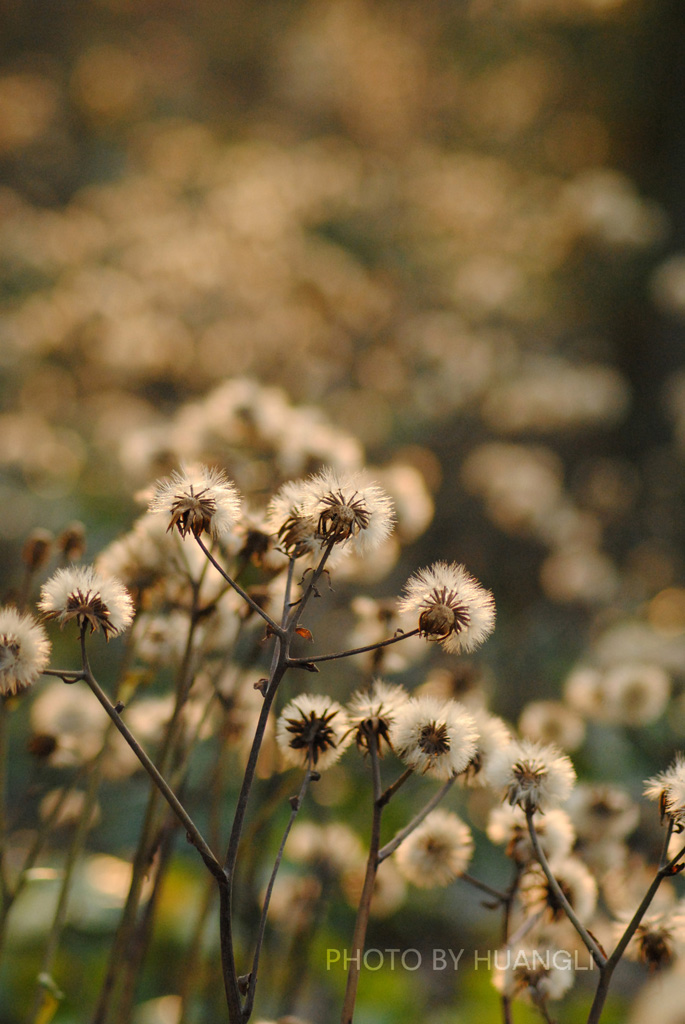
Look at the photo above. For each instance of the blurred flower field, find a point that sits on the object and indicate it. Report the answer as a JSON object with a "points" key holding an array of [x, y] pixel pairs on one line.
{"points": [[437, 243]]}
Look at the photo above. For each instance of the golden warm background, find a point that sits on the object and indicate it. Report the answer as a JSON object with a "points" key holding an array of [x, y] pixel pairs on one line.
{"points": [[446, 237]]}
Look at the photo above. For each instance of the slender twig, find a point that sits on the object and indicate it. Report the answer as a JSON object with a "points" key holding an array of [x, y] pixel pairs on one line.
{"points": [[299, 662], [372, 863], [193, 965], [667, 867], [140, 939], [592, 947], [66, 675], [277, 671], [296, 803], [299, 606], [4, 881], [506, 922], [415, 821], [58, 922], [192, 831], [390, 791], [496, 894], [271, 623]]}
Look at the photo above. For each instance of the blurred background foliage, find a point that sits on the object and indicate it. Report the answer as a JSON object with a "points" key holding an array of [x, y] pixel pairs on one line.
{"points": [[455, 227]]}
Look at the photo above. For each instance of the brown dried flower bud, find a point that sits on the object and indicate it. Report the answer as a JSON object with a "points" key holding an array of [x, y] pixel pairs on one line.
{"points": [[37, 549], [71, 542]]}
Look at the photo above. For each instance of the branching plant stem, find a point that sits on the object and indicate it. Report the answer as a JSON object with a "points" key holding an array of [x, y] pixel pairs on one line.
{"points": [[296, 803], [667, 868], [590, 944], [373, 860]]}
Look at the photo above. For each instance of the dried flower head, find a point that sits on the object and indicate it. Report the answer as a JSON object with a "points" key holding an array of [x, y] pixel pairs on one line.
{"points": [[534, 974], [453, 607], [37, 549], [295, 528], [658, 939], [74, 722], [389, 887], [668, 788], [198, 500], [531, 775], [87, 597], [435, 737], [493, 735], [24, 650], [348, 507], [507, 825], [151, 562], [550, 721], [312, 730], [332, 849], [635, 694], [71, 542], [374, 711], [575, 882], [602, 812], [436, 852]]}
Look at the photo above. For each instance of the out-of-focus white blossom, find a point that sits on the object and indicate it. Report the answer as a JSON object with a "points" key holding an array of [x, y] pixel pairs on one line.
{"points": [[531, 775], [24, 650], [534, 974], [436, 852]]}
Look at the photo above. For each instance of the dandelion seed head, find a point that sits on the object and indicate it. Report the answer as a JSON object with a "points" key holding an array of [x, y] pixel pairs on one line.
{"points": [[437, 738], [312, 730], [669, 789], [575, 881], [532, 775], [24, 650], [453, 608], [534, 974], [85, 596], [436, 852], [507, 826], [198, 500], [375, 709], [348, 507]]}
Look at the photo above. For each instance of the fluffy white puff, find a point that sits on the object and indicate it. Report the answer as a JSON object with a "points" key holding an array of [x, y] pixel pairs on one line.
{"points": [[348, 508], [532, 775], [82, 594], [434, 737], [453, 608], [312, 730], [197, 500], [24, 650], [436, 852]]}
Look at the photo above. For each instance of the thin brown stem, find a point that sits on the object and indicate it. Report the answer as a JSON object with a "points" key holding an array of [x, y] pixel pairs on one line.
{"points": [[299, 606], [296, 803], [46, 985], [364, 910], [271, 623], [666, 869], [193, 833], [4, 881], [496, 894], [416, 820], [592, 947], [300, 662], [390, 791]]}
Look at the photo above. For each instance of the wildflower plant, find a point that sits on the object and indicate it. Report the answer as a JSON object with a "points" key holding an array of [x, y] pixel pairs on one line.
{"points": [[203, 591]]}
